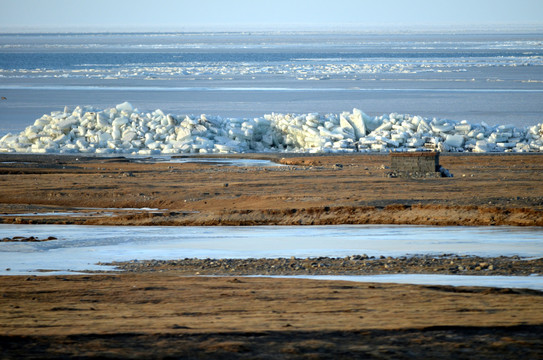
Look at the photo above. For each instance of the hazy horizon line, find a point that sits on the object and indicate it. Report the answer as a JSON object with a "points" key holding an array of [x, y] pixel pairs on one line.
{"points": [[365, 28]]}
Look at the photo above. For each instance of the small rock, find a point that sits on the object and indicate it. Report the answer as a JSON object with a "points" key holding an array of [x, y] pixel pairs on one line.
{"points": [[175, 326], [235, 281]]}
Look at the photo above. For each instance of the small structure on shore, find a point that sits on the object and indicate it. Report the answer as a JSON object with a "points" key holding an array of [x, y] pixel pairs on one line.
{"points": [[416, 164]]}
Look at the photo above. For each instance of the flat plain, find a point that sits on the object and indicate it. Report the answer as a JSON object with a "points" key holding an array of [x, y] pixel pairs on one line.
{"points": [[164, 315], [306, 190]]}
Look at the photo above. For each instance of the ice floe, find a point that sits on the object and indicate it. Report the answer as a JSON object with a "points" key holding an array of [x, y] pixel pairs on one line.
{"points": [[299, 69], [125, 129]]}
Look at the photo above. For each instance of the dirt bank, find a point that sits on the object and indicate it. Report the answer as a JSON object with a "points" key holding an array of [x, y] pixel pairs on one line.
{"points": [[339, 189]]}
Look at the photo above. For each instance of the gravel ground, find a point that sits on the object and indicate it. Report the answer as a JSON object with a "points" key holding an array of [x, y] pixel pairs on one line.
{"points": [[351, 265]]}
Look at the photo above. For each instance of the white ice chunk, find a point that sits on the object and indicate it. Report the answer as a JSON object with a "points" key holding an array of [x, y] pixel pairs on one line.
{"points": [[456, 141], [65, 125], [125, 106], [128, 136], [120, 121], [356, 119], [346, 125], [442, 128]]}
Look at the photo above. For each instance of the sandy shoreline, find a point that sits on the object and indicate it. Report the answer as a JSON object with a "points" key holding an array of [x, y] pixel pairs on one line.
{"points": [[307, 190]]}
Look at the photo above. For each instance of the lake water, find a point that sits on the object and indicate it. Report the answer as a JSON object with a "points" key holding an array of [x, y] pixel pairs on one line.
{"points": [[496, 78], [79, 248]]}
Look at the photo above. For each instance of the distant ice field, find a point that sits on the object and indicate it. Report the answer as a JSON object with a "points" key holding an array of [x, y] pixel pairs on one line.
{"points": [[496, 78]]}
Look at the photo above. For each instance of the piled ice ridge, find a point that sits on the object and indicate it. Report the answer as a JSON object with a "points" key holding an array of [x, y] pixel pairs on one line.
{"points": [[124, 129]]}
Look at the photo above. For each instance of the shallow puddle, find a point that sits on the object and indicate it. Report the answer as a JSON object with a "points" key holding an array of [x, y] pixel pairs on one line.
{"points": [[208, 160], [515, 282], [82, 212]]}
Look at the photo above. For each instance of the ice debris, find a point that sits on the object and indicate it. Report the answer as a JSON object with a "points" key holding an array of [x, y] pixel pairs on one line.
{"points": [[124, 129]]}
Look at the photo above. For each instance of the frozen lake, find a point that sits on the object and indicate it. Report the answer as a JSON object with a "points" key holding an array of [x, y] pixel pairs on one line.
{"points": [[79, 248], [496, 78]]}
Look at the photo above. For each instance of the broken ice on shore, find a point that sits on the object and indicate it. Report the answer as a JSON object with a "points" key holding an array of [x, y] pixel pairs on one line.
{"points": [[124, 129]]}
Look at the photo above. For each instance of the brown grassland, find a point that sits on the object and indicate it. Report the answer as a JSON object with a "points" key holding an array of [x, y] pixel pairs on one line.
{"points": [[165, 314]]}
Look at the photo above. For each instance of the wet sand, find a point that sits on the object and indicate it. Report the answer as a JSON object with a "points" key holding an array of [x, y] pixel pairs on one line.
{"points": [[307, 190], [167, 315]]}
